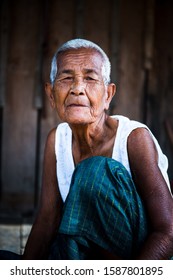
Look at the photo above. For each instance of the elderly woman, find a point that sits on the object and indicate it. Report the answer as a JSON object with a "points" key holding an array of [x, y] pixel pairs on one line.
{"points": [[105, 187], [105, 191]]}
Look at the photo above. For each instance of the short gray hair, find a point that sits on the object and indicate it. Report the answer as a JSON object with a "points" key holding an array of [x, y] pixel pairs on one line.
{"points": [[78, 44]]}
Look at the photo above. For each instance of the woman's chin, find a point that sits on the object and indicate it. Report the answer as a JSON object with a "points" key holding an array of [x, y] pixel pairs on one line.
{"points": [[78, 121], [76, 118]]}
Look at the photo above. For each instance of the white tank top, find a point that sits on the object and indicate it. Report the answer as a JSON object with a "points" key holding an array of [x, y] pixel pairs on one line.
{"points": [[64, 159]]}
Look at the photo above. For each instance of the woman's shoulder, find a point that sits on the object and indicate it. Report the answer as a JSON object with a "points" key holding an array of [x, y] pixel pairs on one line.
{"points": [[128, 121]]}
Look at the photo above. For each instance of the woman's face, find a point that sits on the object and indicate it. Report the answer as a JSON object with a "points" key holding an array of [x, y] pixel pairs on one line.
{"points": [[79, 93]]}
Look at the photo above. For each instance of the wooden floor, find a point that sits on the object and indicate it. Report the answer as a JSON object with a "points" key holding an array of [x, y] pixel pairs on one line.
{"points": [[14, 237]]}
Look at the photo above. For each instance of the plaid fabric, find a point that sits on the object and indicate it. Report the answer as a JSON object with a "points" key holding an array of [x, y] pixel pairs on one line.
{"points": [[102, 208]]}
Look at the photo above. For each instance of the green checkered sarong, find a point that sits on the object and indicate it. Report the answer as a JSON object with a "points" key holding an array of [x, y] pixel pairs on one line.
{"points": [[102, 209]]}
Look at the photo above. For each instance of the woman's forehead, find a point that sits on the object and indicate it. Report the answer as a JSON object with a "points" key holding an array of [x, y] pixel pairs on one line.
{"points": [[81, 58]]}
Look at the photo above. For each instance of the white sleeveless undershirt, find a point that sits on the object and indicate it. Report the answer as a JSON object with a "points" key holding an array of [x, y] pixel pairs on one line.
{"points": [[64, 159]]}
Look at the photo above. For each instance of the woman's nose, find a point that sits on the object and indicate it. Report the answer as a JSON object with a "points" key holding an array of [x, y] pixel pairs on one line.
{"points": [[78, 88]]}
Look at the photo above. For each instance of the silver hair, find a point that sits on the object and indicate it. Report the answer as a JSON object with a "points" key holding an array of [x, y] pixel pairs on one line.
{"points": [[77, 44]]}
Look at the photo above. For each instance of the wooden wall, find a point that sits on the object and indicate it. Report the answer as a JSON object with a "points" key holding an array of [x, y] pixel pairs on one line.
{"points": [[137, 36]]}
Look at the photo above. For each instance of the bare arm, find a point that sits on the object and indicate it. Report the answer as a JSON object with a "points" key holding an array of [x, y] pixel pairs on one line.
{"points": [[155, 194], [49, 213]]}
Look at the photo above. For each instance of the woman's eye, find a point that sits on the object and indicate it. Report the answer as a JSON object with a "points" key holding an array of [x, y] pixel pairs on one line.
{"points": [[68, 78], [89, 79]]}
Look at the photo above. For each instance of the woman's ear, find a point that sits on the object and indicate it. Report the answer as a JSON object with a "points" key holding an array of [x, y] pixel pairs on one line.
{"points": [[49, 92], [111, 90]]}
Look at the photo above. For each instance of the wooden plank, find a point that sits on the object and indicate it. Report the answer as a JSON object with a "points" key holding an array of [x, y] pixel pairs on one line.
{"points": [[19, 114], [129, 89], [39, 91], [149, 33], [97, 23], [4, 28], [79, 16], [114, 47], [115, 38], [148, 56], [161, 85]]}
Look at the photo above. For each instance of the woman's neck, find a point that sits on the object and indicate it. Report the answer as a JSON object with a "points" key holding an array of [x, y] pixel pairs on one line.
{"points": [[94, 139]]}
